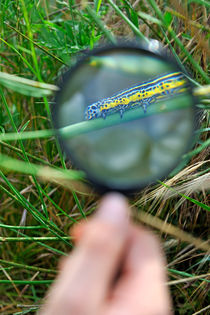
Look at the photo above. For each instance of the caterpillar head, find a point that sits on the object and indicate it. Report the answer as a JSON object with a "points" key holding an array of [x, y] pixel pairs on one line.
{"points": [[93, 111]]}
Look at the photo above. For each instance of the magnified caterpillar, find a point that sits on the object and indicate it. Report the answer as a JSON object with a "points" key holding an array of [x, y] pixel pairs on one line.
{"points": [[140, 95]]}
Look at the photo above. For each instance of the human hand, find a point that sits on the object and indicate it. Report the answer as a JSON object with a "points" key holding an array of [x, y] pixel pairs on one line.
{"points": [[117, 268]]}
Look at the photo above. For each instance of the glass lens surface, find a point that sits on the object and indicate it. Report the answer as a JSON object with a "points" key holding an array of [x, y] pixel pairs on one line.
{"points": [[125, 117]]}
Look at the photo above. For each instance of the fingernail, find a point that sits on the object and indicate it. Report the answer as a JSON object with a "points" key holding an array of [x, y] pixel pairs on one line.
{"points": [[114, 209]]}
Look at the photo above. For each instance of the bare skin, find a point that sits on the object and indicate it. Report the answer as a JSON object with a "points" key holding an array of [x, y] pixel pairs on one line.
{"points": [[116, 268]]}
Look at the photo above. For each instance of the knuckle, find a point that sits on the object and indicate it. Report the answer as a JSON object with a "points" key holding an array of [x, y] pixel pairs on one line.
{"points": [[101, 239]]}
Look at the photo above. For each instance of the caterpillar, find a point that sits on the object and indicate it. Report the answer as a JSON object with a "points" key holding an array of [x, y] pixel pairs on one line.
{"points": [[140, 95]]}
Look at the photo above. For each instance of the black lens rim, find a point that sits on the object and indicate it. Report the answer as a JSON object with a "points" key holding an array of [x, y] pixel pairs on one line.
{"points": [[141, 47]]}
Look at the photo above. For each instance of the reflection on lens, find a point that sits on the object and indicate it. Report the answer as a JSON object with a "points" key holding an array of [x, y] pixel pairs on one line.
{"points": [[125, 117]]}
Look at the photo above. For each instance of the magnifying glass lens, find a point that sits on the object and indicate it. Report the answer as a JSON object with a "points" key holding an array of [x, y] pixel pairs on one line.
{"points": [[124, 116]]}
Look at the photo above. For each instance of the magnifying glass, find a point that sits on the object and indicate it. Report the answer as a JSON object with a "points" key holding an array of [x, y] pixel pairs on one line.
{"points": [[125, 115]]}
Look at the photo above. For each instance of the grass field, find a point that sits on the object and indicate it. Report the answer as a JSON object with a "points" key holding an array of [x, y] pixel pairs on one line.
{"points": [[39, 192]]}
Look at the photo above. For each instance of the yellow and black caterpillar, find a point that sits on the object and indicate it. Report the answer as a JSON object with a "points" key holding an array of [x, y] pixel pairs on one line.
{"points": [[140, 95]]}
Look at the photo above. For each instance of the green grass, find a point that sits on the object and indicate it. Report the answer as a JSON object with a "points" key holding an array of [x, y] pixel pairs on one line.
{"points": [[41, 196]]}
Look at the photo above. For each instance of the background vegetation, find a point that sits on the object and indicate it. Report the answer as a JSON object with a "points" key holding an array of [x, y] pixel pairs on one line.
{"points": [[39, 199]]}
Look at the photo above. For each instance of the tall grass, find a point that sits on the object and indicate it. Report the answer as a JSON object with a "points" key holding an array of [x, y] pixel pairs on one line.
{"points": [[40, 193]]}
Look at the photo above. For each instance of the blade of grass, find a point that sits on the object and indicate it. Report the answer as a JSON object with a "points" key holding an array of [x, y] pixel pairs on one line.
{"points": [[19, 54], [38, 134], [201, 311], [23, 151], [36, 214], [33, 239], [24, 282], [43, 244], [160, 23], [30, 35], [198, 203], [29, 310], [193, 23], [149, 18], [202, 90], [58, 208], [35, 170], [33, 52], [178, 42], [49, 225], [21, 227], [185, 274], [78, 204], [204, 145], [170, 229], [203, 130], [100, 24], [26, 86], [177, 57], [12, 148], [124, 17], [150, 26], [97, 5], [202, 2], [27, 267], [175, 282], [36, 44]]}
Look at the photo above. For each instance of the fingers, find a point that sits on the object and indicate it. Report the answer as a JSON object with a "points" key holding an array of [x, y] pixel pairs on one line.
{"points": [[85, 284], [141, 288], [86, 275]]}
